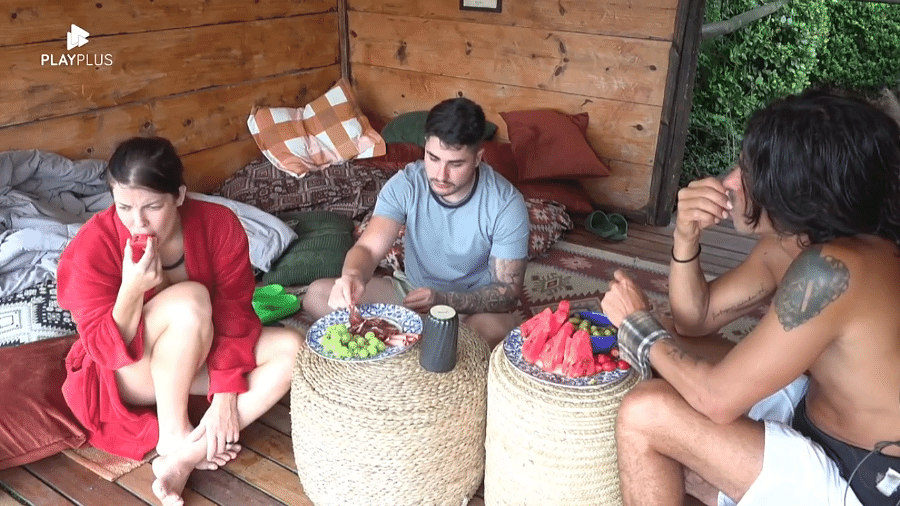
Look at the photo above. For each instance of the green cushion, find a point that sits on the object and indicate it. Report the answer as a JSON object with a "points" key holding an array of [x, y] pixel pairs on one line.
{"points": [[410, 127], [323, 239]]}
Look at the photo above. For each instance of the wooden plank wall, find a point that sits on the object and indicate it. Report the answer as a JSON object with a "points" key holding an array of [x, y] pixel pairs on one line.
{"points": [[188, 70], [610, 59]]}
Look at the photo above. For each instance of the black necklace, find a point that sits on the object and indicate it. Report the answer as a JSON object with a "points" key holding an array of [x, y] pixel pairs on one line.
{"points": [[175, 265]]}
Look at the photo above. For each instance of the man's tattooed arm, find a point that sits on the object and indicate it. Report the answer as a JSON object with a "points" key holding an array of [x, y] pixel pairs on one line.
{"points": [[742, 306], [500, 296], [810, 284]]}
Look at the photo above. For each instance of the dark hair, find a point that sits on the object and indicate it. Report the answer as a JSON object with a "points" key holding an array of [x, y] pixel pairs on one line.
{"points": [[823, 165], [456, 122], [150, 162]]}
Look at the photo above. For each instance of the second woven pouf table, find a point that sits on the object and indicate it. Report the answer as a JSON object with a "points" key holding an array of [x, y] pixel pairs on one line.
{"points": [[549, 444], [389, 432]]}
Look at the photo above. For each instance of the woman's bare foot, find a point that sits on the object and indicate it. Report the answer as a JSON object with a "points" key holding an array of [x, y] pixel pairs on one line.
{"points": [[169, 443], [231, 451], [171, 475], [172, 471]]}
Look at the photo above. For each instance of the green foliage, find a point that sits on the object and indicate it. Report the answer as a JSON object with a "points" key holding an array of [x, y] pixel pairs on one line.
{"points": [[740, 72], [863, 52]]}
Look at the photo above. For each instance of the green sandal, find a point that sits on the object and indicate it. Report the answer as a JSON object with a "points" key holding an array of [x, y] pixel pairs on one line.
{"points": [[271, 303], [612, 226]]}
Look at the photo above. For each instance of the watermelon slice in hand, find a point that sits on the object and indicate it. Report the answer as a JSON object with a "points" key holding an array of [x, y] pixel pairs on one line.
{"points": [[138, 245], [579, 356], [555, 351]]}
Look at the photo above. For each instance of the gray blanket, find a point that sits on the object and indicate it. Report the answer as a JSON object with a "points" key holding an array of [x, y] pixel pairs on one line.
{"points": [[44, 200]]}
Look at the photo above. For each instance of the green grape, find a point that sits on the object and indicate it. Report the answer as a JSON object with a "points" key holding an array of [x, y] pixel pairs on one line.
{"points": [[574, 320]]}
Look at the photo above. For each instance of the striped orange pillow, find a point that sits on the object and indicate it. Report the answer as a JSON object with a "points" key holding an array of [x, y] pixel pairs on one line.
{"points": [[330, 129]]}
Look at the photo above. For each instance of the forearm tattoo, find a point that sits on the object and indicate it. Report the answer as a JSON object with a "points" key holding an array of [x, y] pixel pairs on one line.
{"points": [[741, 306], [500, 296], [676, 353], [811, 283]]}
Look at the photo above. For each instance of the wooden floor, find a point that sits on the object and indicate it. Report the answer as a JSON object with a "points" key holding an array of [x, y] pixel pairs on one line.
{"points": [[264, 474]]}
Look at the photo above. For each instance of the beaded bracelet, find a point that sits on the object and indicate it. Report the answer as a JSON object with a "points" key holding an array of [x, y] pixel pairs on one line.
{"points": [[689, 260]]}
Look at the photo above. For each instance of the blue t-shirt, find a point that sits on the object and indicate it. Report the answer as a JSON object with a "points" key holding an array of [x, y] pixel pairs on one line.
{"points": [[447, 246]]}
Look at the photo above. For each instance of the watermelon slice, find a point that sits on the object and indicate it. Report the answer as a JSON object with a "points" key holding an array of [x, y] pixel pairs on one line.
{"points": [[532, 322], [579, 356], [555, 351], [560, 316], [138, 245], [534, 344]]}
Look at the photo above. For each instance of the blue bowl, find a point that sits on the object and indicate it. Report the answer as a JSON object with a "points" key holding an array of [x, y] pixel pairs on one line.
{"points": [[600, 344]]}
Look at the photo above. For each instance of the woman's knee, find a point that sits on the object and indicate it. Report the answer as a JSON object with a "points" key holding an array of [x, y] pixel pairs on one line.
{"points": [[185, 303]]}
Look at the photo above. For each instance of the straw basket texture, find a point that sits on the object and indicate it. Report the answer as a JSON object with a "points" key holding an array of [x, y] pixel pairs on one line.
{"points": [[388, 432], [550, 444]]}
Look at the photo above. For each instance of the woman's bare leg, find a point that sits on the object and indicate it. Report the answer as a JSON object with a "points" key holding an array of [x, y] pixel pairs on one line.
{"points": [[177, 337], [276, 353]]}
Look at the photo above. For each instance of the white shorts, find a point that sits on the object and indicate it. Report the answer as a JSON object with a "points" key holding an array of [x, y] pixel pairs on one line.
{"points": [[795, 470]]}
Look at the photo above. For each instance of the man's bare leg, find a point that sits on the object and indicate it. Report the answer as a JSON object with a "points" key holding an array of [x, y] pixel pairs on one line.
{"points": [[657, 433], [275, 355], [492, 327]]}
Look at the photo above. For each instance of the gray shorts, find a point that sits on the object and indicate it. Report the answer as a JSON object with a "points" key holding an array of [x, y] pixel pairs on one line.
{"points": [[401, 284]]}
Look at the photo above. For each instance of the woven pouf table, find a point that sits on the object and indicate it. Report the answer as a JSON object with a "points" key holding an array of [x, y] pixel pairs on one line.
{"points": [[550, 444], [389, 432]]}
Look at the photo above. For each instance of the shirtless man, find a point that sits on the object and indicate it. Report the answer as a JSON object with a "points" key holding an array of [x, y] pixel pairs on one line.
{"points": [[819, 180], [466, 233]]}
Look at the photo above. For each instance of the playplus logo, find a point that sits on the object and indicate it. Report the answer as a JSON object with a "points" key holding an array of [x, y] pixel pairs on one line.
{"points": [[75, 38]]}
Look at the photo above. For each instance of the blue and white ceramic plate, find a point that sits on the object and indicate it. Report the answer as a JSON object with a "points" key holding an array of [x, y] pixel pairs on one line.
{"points": [[512, 348], [405, 319]]}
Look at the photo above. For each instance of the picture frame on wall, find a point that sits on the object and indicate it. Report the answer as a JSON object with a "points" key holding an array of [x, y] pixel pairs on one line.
{"points": [[480, 5]]}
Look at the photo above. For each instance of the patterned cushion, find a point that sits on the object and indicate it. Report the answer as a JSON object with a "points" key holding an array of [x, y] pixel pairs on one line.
{"points": [[33, 315], [548, 221], [347, 189], [330, 129]]}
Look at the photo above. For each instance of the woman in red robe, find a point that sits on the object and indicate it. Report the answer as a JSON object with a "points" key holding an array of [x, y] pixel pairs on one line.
{"points": [[172, 321]]}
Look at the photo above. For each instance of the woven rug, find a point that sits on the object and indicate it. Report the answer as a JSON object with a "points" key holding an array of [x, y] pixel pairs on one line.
{"points": [[581, 274], [105, 465]]}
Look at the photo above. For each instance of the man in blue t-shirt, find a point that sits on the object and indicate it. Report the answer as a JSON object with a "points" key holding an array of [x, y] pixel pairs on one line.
{"points": [[466, 236]]}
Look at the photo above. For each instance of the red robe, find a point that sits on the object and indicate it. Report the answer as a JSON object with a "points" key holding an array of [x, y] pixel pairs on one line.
{"points": [[216, 254]]}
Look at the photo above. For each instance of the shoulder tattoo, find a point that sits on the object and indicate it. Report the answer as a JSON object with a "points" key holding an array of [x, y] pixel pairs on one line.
{"points": [[811, 283]]}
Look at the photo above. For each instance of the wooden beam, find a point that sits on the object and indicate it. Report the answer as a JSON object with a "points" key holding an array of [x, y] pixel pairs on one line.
{"points": [[676, 112]]}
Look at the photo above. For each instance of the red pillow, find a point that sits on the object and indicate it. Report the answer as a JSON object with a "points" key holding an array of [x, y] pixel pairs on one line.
{"points": [[548, 144], [499, 155], [35, 421], [567, 192]]}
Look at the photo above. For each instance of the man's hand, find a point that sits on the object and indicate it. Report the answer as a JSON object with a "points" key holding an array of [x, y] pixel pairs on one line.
{"points": [[221, 424], [420, 299], [346, 292], [701, 204], [623, 298]]}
